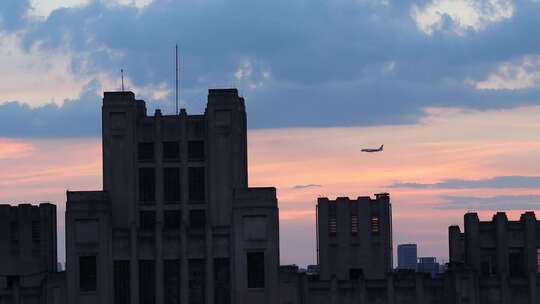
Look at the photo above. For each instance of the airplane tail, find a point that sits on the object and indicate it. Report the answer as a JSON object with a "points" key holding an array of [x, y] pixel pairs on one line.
{"points": [[382, 147]]}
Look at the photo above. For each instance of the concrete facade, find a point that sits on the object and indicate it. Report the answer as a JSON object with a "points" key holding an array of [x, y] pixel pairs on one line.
{"points": [[28, 256], [407, 255], [354, 237], [502, 253], [176, 221]]}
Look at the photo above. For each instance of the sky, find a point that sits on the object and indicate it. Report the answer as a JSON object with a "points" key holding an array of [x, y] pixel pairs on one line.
{"points": [[450, 87]]}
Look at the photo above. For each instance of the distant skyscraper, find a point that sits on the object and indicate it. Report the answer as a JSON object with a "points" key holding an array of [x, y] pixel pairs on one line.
{"points": [[428, 265], [407, 256]]}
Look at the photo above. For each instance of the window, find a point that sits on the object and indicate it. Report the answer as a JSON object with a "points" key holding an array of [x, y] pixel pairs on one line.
{"points": [[87, 273], [255, 269], [375, 225], [171, 281], [171, 184], [171, 150], [355, 273], [222, 279], [196, 183], [121, 282], [196, 281], [516, 262], [196, 150], [14, 229], [538, 259], [147, 184], [147, 282], [487, 265], [146, 152], [332, 219], [171, 219], [35, 232], [197, 219], [148, 220], [354, 218]]}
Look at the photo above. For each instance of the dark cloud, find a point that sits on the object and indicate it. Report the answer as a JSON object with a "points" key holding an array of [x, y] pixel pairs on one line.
{"points": [[13, 14], [499, 182], [77, 117], [299, 187], [494, 203], [330, 63]]}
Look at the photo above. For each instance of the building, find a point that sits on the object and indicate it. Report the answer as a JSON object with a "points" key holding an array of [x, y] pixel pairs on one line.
{"points": [[407, 255], [504, 254], [428, 265], [354, 237], [176, 221], [28, 255]]}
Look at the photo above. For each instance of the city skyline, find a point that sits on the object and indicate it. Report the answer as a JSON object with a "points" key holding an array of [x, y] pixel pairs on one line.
{"points": [[455, 105]]}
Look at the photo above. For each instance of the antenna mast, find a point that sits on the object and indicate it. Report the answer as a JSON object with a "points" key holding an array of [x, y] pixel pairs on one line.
{"points": [[122, 72], [177, 79]]}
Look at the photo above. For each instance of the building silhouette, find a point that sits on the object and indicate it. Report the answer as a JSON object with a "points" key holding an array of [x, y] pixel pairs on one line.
{"points": [[176, 222], [354, 237], [428, 265], [407, 256], [28, 256]]}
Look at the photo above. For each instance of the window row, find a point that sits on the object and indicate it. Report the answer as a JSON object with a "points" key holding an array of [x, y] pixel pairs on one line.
{"points": [[171, 151], [14, 232], [171, 184], [171, 279], [355, 225], [172, 219]]}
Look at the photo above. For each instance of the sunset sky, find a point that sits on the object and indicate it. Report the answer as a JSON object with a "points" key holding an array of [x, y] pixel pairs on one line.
{"points": [[450, 87]]}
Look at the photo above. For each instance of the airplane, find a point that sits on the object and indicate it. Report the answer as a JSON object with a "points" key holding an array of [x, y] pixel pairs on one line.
{"points": [[373, 150]]}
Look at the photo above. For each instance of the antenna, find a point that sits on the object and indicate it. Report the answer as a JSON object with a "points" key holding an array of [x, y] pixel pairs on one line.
{"points": [[122, 72], [177, 79]]}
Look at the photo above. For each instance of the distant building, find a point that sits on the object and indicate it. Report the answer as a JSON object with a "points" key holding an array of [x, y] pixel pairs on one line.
{"points": [[428, 265], [498, 247], [28, 257], [176, 221], [354, 237], [407, 255]]}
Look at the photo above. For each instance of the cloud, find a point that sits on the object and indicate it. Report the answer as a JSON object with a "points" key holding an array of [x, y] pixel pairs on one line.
{"points": [[13, 14], [336, 58], [299, 187], [517, 75], [500, 182], [76, 117], [494, 203], [461, 15]]}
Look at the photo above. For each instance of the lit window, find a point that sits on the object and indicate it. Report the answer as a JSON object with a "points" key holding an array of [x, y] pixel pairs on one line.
{"points": [[332, 219], [354, 218], [375, 224]]}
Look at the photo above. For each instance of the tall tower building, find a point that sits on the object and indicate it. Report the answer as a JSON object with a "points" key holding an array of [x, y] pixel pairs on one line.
{"points": [[176, 221], [354, 237], [407, 256]]}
